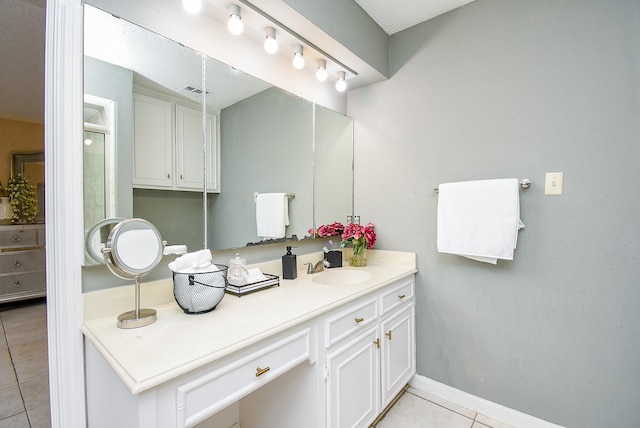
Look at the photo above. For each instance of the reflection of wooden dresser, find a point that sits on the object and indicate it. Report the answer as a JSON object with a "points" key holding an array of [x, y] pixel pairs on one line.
{"points": [[22, 262]]}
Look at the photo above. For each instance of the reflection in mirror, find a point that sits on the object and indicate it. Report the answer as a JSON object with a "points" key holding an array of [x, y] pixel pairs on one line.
{"points": [[96, 240], [266, 145], [333, 169], [31, 167], [265, 138]]}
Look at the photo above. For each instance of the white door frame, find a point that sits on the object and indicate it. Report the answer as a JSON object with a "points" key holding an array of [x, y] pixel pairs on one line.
{"points": [[64, 213]]}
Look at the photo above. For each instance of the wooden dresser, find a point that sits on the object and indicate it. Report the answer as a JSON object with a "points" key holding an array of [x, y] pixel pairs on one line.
{"points": [[22, 262]]}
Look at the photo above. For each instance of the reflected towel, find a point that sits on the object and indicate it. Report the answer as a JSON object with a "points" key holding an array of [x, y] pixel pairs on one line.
{"points": [[479, 219], [272, 215]]}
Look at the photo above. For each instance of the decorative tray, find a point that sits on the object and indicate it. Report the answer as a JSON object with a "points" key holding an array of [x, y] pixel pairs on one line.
{"points": [[239, 290]]}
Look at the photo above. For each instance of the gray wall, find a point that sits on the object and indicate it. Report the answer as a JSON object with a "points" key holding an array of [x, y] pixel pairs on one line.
{"points": [[514, 88], [266, 145]]}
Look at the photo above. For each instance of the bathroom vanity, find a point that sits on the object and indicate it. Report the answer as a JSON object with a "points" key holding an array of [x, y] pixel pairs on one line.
{"points": [[328, 349]]}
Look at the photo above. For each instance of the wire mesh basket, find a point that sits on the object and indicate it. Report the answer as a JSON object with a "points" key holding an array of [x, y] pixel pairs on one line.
{"points": [[197, 293]]}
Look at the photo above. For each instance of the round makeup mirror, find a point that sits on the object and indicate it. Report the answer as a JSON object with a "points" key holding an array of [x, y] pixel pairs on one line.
{"points": [[133, 249], [96, 239]]}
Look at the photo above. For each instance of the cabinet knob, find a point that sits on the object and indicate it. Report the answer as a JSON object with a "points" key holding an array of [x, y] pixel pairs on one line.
{"points": [[260, 372], [168, 175], [16, 263], [377, 342], [16, 284], [401, 296], [359, 320], [15, 238], [388, 334], [181, 177]]}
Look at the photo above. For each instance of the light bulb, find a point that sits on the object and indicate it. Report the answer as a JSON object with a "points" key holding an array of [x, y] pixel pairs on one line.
{"points": [[270, 42], [88, 142], [322, 74], [192, 6], [341, 84], [235, 25], [298, 59]]}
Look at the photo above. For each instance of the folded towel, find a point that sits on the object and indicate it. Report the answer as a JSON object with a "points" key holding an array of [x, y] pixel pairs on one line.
{"points": [[198, 261], [272, 215], [479, 219], [255, 275], [175, 250]]}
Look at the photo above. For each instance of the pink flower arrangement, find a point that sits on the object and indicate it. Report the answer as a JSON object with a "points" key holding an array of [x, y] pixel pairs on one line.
{"points": [[326, 230], [361, 237]]}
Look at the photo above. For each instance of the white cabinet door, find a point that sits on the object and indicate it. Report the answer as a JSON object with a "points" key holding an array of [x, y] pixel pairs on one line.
{"points": [[189, 150], [353, 390], [398, 353], [153, 145]]}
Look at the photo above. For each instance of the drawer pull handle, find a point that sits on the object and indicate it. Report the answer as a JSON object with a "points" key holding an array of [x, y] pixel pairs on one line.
{"points": [[15, 238], [181, 177], [16, 284], [388, 334], [401, 296], [359, 320], [260, 372], [16, 263], [168, 175], [377, 342]]}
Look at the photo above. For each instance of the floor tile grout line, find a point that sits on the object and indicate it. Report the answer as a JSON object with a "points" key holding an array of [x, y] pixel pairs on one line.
{"points": [[446, 408]]}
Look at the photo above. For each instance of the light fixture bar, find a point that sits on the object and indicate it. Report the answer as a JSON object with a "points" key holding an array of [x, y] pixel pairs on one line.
{"points": [[294, 34]]}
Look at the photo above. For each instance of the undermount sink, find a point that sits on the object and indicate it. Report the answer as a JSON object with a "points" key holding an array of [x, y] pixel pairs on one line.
{"points": [[341, 277]]}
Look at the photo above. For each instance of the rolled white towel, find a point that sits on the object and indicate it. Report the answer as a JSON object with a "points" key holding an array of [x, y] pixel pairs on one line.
{"points": [[195, 260]]}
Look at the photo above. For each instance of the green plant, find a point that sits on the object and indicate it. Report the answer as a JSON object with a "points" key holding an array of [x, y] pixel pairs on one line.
{"points": [[23, 200]]}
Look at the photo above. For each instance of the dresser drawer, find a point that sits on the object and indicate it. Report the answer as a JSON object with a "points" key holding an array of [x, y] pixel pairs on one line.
{"points": [[213, 391], [22, 261], [398, 295], [17, 236], [354, 318], [22, 282]]}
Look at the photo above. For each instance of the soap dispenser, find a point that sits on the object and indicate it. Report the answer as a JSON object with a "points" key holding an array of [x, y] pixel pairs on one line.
{"points": [[289, 265]]}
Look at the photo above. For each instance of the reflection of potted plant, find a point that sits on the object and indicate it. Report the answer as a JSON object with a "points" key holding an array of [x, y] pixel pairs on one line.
{"points": [[23, 200], [5, 203]]}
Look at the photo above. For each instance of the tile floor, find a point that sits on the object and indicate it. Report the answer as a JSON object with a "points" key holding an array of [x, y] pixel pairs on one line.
{"points": [[419, 409], [24, 371]]}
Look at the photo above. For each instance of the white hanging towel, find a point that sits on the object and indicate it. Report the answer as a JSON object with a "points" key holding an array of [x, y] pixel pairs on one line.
{"points": [[272, 214], [479, 219]]}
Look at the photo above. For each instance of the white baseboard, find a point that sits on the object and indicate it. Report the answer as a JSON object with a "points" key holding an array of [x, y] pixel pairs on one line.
{"points": [[479, 405]]}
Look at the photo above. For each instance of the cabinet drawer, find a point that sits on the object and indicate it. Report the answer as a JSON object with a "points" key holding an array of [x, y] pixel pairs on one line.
{"points": [[16, 237], [353, 319], [21, 261], [22, 283], [397, 296], [207, 394]]}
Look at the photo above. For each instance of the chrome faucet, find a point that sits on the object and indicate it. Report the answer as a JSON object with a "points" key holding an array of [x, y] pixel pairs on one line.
{"points": [[318, 267]]}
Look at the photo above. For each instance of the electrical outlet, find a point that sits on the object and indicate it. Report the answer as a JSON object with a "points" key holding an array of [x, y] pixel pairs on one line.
{"points": [[553, 183]]}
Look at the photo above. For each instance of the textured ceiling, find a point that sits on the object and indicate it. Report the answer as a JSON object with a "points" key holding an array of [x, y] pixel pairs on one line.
{"points": [[397, 15]]}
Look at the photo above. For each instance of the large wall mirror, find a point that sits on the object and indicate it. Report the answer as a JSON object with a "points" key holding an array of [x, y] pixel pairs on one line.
{"points": [[261, 139]]}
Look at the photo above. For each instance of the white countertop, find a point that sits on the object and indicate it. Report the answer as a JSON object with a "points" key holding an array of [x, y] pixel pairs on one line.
{"points": [[178, 343]]}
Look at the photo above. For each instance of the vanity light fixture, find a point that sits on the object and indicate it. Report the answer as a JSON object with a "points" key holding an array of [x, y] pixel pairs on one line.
{"points": [[192, 6], [235, 25], [322, 74], [270, 42], [341, 84], [298, 59]]}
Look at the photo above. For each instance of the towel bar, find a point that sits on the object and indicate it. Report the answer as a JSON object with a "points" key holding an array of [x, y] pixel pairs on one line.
{"points": [[255, 196], [524, 184]]}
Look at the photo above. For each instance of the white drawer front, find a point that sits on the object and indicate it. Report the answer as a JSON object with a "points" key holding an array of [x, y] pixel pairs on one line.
{"points": [[397, 296], [206, 395], [355, 318]]}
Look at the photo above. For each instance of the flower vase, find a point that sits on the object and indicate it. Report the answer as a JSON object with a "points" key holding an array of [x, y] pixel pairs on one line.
{"points": [[359, 257], [6, 212]]}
